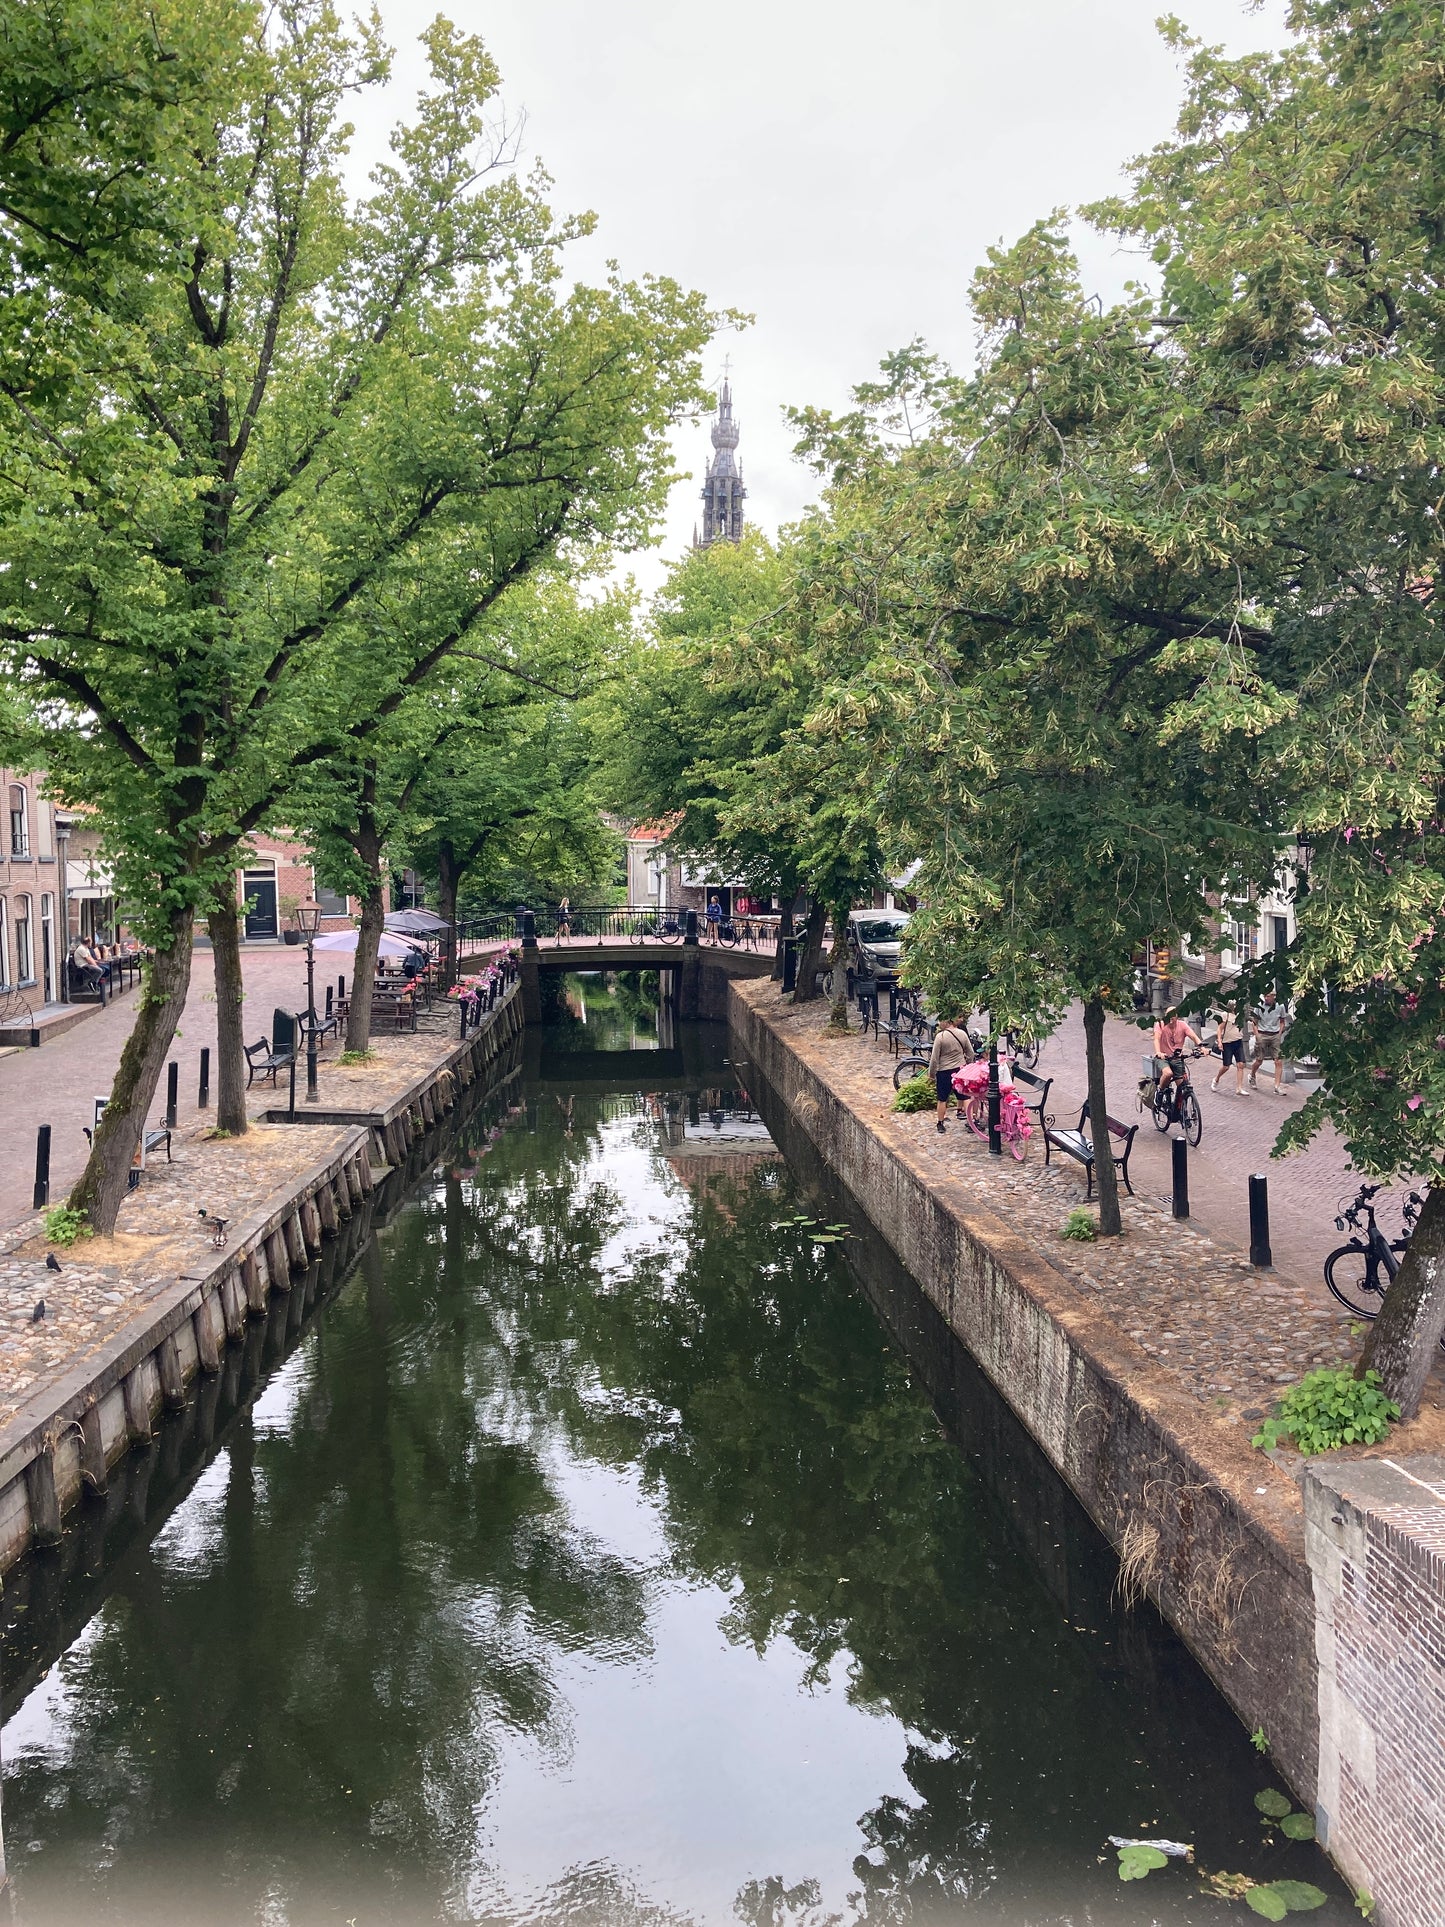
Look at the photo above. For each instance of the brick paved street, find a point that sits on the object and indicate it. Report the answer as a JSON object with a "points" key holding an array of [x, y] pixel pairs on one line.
{"points": [[57, 1083], [1304, 1188]]}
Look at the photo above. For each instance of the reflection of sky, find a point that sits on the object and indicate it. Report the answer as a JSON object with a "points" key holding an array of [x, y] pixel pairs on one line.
{"points": [[703, 1765]]}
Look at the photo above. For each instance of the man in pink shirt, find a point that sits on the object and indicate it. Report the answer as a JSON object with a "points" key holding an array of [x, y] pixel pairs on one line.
{"points": [[1169, 1036]]}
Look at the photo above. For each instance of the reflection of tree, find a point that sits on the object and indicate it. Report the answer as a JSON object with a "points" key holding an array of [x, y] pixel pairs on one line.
{"points": [[377, 1604]]}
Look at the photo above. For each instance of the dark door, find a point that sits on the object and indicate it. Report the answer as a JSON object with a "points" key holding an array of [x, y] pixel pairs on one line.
{"points": [[1281, 933], [261, 905]]}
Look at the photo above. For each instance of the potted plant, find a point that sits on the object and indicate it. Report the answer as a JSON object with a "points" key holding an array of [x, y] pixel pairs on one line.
{"points": [[288, 907]]}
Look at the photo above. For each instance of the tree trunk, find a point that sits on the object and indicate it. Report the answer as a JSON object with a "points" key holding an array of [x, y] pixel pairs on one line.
{"points": [[224, 926], [373, 914], [811, 958], [1106, 1181], [447, 881], [785, 932], [102, 1184], [838, 964], [1403, 1339]]}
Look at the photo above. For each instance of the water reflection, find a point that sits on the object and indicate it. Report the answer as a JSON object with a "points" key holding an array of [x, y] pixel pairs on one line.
{"points": [[596, 1557]]}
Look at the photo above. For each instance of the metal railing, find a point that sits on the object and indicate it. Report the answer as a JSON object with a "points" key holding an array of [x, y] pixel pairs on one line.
{"points": [[621, 923]]}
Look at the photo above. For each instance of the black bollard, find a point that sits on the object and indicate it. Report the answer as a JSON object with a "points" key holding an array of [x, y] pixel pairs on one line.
{"points": [[341, 990], [1259, 1251], [42, 1169], [330, 1007], [995, 1135], [690, 935], [1180, 1152], [291, 1112], [203, 1096], [173, 1093]]}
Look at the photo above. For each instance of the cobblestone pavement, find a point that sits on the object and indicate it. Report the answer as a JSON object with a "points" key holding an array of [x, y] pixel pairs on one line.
{"points": [[58, 1083], [103, 1281], [1187, 1297]]}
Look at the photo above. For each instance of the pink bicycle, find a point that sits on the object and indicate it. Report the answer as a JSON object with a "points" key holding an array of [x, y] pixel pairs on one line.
{"points": [[1015, 1125]]}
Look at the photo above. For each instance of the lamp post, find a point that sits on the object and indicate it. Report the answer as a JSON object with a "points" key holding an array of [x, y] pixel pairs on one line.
{"points": [[308, 922], [62, 844]]}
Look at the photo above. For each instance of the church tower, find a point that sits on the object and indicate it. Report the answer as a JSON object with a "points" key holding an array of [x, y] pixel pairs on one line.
{"points": [[722, 491]]}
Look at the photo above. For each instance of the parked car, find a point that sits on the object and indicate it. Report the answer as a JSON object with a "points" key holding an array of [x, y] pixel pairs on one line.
{"points": [[874, 943]]}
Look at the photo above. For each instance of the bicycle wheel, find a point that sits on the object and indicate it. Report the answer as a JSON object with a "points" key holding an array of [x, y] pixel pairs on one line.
{"points": [[1017, 1136], [1191, 1118], [728, 932], [1027, 1053], [976, 1115], [1354, 1278], [906, 1069], [673, 931], [1163, 1108]]}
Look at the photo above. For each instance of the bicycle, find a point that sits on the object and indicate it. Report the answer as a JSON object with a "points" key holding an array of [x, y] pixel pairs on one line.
{"points": [[1361, 1272], [1015, 1126], [1175, 1102]]}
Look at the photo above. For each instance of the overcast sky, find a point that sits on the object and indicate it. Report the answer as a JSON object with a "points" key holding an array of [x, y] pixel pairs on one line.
{"points": [[836, 170]]}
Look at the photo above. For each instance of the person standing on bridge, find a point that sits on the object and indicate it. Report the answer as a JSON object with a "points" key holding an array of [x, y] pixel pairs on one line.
{"points": [[564, 918], [714, 919]]}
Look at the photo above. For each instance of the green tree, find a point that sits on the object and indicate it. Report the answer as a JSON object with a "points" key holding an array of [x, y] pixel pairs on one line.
{"points": [[267, 435]]}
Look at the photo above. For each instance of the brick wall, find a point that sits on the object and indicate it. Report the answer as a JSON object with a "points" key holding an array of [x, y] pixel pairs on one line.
{"points": [[1375, 1539]]}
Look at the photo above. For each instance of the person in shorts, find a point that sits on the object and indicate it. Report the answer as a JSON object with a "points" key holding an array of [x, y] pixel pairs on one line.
{"points": [[952, 1049], [1230, 1039], [1171, 1034], [1269, 1024]]}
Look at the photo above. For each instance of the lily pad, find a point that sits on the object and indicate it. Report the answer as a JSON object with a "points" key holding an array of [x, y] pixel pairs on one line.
{"points": [[1135, 1862], [1273, 1802], [827, 1238], [1267, 1903], [1298, 1895], [1298, 1826]]}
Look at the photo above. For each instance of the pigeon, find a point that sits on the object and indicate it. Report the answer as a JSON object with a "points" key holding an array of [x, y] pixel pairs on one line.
{"points": [[38, 1313], [52, 1263]]}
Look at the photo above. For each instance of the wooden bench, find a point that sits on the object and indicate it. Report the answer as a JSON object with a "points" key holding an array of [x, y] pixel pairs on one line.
{"points": [[1074, 1144], [1033, 1092], [154, 1139]]}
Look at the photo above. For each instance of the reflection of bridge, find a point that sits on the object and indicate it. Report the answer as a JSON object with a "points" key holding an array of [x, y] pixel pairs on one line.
{"points": [[699, 972]]}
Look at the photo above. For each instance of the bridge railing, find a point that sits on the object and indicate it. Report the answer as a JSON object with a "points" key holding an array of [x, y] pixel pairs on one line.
{"points": [[619, 923]]}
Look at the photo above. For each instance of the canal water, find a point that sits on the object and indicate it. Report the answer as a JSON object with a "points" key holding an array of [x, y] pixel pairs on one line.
{"points": [[620, 1543]]}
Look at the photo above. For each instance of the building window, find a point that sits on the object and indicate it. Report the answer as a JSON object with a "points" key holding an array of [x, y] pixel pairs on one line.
{"points": [[1244, 938], [24, 952], [19, 824], [332, 905], [4, 945]]}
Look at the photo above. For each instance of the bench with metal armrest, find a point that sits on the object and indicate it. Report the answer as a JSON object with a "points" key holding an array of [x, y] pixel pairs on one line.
{"points": [[1033, 1092], [1074, 1144]]}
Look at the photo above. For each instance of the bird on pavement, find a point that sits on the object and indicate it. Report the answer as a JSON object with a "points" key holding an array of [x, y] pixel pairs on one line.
{"points": [[216, 1226], [52, 1263], [38, 1313]]}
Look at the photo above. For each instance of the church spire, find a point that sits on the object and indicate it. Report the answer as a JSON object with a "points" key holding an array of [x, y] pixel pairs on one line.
{"points": [[723, 491]]}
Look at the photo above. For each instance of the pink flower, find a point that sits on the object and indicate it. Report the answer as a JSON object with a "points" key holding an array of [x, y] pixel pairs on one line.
{"points": [[1414, 1103]]}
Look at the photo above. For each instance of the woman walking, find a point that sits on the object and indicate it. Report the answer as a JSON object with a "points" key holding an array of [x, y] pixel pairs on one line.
{"points": [[1230, 1039], [952, 1049]]}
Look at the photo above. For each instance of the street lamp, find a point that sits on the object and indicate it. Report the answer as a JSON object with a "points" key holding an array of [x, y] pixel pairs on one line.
{"points": [[308, 922], [1304, 850]]}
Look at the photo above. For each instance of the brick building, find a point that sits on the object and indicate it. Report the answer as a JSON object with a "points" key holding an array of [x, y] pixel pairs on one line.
{"points": [[275, 876], [32, 891]]}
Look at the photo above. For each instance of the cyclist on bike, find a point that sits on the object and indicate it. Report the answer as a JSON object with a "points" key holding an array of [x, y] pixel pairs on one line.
{"points": [[1170, 1036]]}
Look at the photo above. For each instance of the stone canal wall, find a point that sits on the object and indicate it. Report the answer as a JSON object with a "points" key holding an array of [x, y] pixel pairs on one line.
{"points": [[1206, 1527], [76, 1426]]}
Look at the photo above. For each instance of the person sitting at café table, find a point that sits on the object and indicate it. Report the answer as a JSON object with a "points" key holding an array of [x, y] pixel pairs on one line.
{"points": [[87, 965]]}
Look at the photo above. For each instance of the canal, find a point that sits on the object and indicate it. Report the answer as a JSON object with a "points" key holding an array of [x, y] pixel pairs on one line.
{"points": [[618, 1543]]}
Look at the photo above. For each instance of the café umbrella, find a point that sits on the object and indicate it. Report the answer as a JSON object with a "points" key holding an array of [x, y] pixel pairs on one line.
{"points": [[387, 945]]}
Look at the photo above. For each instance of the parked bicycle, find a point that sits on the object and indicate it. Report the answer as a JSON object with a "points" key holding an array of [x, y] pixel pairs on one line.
{"points": [[1015, 1124], [1175, 1102], [1360, 1273]]}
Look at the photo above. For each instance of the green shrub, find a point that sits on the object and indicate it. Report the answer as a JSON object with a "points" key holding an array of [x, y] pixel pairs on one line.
{"points": [[917, 1094], [64, 1226], [1081, 1225], [1330, 1407]]}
